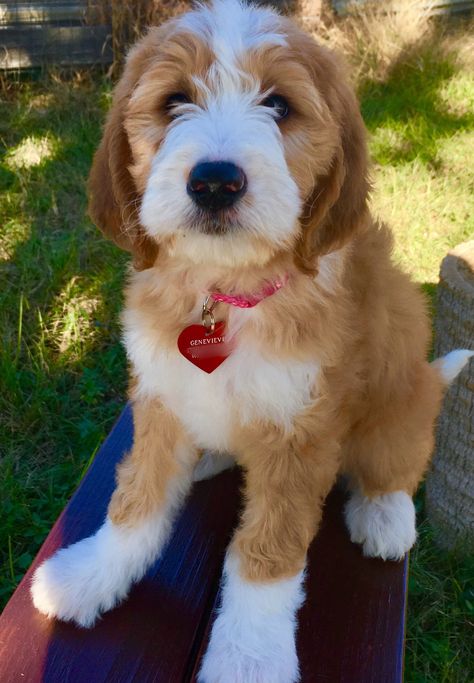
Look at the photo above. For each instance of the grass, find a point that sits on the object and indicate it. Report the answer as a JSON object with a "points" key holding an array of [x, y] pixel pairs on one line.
{"points": [[62, 369], [439, 645], [422, 125]]}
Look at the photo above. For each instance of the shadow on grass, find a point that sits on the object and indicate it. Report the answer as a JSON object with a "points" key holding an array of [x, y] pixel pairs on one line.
{"points": [[430, 289], [409, 102], [55, 404], [440, 610]]}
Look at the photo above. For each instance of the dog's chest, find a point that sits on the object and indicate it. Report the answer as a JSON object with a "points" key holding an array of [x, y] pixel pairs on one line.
{"points": [[246, 387]]}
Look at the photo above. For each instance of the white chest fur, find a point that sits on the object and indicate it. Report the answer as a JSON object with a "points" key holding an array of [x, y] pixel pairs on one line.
{"points": [[246, 387]]}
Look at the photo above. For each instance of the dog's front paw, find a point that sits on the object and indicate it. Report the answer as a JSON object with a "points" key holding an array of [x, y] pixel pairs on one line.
{"points": [[74, 586], [249, 657], [384, 525], [80, 582], [253, 637]]}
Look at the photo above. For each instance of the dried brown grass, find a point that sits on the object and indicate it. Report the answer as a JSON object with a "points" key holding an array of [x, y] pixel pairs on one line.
{"points": [[130, 20], [373, 36]]}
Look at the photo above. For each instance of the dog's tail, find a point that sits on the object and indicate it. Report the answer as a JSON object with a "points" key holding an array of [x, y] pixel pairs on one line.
{"points": [[450, 366]]}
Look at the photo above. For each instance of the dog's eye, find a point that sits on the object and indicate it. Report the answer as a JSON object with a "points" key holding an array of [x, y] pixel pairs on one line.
{"points": [[173, 101], [279, 105]]}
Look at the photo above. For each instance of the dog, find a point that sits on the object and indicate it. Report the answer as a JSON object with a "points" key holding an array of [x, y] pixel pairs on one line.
{"points": [[263, 319]]}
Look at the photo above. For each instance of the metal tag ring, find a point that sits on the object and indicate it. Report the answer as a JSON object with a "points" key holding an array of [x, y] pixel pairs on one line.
{"points": [[207, 316], [208, 320]]}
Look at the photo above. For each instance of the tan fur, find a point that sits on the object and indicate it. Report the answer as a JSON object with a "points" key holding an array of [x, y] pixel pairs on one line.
{"points": [[377, 398], [145, 474], [287, 478]]}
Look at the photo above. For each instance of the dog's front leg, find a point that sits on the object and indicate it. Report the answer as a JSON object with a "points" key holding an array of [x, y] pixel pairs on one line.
{"points": [[253, 637], [90, 577]]}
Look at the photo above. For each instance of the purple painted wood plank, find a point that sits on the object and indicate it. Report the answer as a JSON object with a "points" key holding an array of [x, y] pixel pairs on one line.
{"points": [[353, 621], [152, 636], [351, 626]]}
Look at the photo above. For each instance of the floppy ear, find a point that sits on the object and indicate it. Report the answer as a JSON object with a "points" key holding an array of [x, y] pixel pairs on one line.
{"points": [[114, 202], [337, 206]]}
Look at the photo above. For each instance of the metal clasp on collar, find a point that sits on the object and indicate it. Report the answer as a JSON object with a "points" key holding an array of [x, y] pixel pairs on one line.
{"points": [[207, 315]]}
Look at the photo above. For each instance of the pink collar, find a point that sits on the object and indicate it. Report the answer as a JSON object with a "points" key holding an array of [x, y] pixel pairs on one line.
{"points": [[242, 301]]}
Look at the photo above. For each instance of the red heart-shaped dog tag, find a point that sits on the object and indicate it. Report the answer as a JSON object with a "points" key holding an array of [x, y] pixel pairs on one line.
{"points": [[206, 350]]}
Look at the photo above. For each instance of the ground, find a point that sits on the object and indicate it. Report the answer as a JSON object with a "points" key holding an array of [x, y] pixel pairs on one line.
{"points": [[62, 369]]}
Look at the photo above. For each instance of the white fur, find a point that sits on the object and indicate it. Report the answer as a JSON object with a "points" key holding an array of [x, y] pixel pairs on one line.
{"points": [[451, 365], [80, 582], [246, 387], [253, 637], [90, 577], [384, 525], [210, 464], [231, 27]]}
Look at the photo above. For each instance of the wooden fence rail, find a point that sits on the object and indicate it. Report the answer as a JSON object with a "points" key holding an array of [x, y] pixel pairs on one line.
{"points": [[64, 32], [69, 32], [434, 6]]}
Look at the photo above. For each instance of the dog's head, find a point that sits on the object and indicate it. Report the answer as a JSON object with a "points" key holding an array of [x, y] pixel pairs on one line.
{"points": [[232, 136]]}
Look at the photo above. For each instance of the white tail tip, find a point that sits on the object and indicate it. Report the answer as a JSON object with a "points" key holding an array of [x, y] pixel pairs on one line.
{"points": [[451, 365]]}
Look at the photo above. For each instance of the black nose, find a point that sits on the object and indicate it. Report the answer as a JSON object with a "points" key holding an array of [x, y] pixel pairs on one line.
{"points": [[216, 185]]}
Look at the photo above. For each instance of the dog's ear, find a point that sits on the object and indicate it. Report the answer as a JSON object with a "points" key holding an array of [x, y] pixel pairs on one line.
{"points": [[114, 202], [337, 205]]}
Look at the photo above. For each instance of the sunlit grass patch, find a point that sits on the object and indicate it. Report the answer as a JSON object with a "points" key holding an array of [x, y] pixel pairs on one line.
{"points": [[62, 368], [12, 233], [30, 152], [421, 121], [415, 79], [42, 102], [430, 210], [457, 95], [73, 310]]}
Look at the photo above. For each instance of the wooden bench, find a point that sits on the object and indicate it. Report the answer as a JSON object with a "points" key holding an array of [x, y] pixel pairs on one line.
{"points": [[351, 626]]}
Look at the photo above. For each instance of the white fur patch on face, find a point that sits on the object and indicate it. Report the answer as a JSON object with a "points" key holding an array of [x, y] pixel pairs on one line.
{"points": [[253, 637], [92, 576], [232, 126], [384, 525], [246, 387], [231, 27]]}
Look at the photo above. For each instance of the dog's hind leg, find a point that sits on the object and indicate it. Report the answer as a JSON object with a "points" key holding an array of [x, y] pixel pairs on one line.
{"points": [[91, 576], [386, 456]]}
